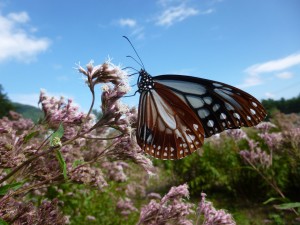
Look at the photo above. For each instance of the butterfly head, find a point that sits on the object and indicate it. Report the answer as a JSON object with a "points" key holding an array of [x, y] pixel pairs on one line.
{"points": [[145, 81]]}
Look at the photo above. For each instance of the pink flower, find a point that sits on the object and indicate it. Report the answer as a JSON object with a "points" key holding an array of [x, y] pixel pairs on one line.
{"points": [[265, 126], [236, 134], [213, 216], [171, 209]]}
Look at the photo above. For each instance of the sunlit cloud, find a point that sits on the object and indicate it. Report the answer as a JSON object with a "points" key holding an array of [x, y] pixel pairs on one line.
{"points": [[285, 75], [127, 22], [274, 65], [17, 41], [175, 14], [33, 98], [137, 30], [254, 72], [269, 95], [26, 99]]}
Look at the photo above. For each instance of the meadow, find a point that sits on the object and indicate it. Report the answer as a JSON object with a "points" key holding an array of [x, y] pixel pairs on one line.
{"points": [[75, 168]]}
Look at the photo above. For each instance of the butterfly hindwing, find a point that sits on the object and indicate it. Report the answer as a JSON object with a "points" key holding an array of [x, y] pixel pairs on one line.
{"points": [[167, 127], [217, 105]]}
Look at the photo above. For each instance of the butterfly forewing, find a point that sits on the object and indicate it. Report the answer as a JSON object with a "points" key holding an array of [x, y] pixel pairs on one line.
{"points": [[217, 105], [167, 127]]}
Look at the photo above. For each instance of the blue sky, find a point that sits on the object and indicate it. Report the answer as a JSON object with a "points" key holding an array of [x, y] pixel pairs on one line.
{"points": [[254, 45]]}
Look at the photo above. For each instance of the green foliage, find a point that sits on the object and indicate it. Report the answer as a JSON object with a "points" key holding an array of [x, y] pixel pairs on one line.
{"points": [[80, 202], [28, 111], [5, 188], [5, 103], [2, 222], [286, 106]]}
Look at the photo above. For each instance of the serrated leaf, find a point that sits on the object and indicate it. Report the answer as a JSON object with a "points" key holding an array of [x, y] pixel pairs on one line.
{"points": [[57, 135], [2, 222], [62, 163], [288, 205], [31, 135], [4, 189]]}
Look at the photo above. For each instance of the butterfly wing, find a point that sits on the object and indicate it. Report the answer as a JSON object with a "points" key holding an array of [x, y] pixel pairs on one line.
{"points": [[217, 105], [167, 127]]}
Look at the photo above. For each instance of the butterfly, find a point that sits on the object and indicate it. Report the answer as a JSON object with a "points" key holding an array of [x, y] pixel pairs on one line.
{"points": [[176, 112]]}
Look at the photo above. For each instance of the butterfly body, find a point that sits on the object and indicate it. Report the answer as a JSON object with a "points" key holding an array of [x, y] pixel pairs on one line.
{"points": [[177, 112]]}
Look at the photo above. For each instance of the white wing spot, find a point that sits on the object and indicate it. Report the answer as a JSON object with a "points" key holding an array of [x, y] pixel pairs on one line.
{"points": [[196, 102], [210, 123], [208, 100], [195, 126], [154, 146], [248, 118], [217, 85], [172, 154], [236, 115], [172, 149], [186, 150], [224, 124], [147, 148], [197, 143], [223, 116], [192, 137], [159, 147], [216, 107], [152, 151], [228, 106], [252, 111], [227, 88], [157, 153], [181, 152], [165, 154], [184, 145], [254, 104], [188, 87], [203, 113], [166, 148]]}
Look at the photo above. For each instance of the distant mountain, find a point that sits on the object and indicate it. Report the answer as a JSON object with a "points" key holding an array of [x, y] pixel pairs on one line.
{"points": [[28, 111]]}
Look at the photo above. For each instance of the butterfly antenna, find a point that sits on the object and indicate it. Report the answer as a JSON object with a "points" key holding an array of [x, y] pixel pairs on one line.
{"points": [[135, 52], [129, 67], [126, 96], [141, 65]]}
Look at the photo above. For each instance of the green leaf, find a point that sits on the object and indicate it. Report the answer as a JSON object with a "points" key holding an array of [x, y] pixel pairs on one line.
{"points": [[4, 189], [56, 136], [270, 200], [77, 162], [62, 163], [31, 135], [288, 205], [2, 222]]}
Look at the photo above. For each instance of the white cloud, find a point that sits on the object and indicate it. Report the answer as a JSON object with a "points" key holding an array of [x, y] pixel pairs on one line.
{"points": [[17, 42], [275, 65], [136, 30], [269, 95], [33, 98], [27, 99], [285, 75], [254, 72], [251, 80], [127, 22], [175, 14], [21, 17]]}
